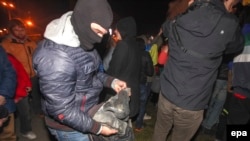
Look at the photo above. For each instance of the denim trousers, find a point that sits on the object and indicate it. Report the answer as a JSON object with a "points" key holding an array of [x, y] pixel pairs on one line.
{"points": [[183, 123], [24, 113], [68, 136], [216, 104], [144, 94]]}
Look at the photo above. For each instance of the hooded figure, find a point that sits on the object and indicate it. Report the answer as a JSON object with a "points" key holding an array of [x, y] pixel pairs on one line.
{"points": [[68, 70], [126, 60], [101, 15]]}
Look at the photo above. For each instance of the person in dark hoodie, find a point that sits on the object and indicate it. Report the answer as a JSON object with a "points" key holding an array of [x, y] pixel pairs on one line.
{"points": [[67, 66], [198, 32], [126, 60]]}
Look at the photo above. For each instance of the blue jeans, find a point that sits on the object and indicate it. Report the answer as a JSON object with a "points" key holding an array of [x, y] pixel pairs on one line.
{"points": [[144, 94], [216, 104], [68, 136]]}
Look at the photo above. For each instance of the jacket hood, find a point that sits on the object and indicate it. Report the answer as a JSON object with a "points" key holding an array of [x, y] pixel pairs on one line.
{"points": [[61, 31], [205, 24], [87, 12], [127, 27]]}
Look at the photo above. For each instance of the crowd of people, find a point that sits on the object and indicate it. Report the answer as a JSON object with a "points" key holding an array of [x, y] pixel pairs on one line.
{"points": [[195, 70]]}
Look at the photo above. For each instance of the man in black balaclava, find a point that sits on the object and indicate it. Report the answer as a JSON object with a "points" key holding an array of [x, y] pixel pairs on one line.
{"points": [[68, 71], [97, 11]]}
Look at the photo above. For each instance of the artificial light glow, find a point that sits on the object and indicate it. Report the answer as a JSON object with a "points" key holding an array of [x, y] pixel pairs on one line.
{"points": [[29, 23], [4, 3], [11, 5]]}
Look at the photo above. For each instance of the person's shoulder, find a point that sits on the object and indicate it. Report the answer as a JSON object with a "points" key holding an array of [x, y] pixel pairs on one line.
{"points": [[2, 52], [231, 18], [6, 39]]}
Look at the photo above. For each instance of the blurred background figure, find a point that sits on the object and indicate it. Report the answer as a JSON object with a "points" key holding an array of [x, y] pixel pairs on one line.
{"points": [[126, 60], [7, 92], [18, 44]]}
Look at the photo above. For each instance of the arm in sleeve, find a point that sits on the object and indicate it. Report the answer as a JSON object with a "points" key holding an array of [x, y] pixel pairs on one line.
{"points": [[119, 59], [8, 80], [236, 44]]}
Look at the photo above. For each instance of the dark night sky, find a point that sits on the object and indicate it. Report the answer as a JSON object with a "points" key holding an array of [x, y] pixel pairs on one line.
{"points": [[149, 14]]}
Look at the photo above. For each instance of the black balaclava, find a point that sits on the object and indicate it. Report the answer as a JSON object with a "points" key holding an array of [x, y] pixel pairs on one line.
{"points": [[86, 12]]}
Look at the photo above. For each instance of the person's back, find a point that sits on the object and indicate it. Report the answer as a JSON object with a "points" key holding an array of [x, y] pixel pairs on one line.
{"points": [[198, 35], [196, 50]]}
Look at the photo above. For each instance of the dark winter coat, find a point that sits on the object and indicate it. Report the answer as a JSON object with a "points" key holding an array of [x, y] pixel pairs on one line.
{"points": [[70, 83], [68, 67], [126, 61], [147, 67], [7, 81], [209, 30]]}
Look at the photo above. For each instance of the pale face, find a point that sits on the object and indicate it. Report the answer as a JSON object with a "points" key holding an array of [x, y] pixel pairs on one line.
{"points": [[98, 29]]}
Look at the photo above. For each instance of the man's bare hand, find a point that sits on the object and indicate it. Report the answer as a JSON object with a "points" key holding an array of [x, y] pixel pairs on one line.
{"points": [[118, 85], [106, 131]]}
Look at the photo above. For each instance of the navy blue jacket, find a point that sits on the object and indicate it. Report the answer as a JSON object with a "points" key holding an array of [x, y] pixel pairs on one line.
{"points": [[7, 81], [70, 83]]}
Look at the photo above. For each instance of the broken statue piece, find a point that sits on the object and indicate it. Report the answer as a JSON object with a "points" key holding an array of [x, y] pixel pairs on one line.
{"points": [[114, 113]]}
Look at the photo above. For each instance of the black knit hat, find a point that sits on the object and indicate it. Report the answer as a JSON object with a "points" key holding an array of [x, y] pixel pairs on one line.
{"points": [[86, 12], [3, 112]]}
